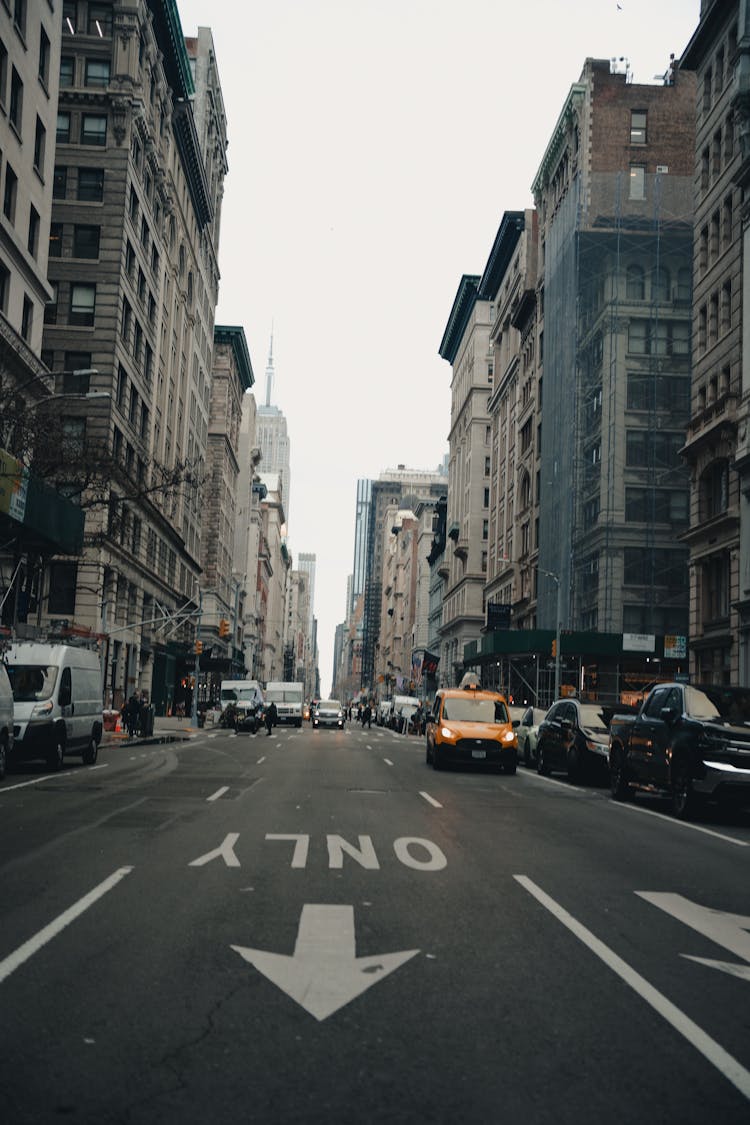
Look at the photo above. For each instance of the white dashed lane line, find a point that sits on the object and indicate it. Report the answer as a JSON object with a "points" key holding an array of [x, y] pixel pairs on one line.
{"points": [[219, 793], [430, 800]]}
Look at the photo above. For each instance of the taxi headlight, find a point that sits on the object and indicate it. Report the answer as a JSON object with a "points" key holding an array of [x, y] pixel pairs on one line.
{"points": [[446, 732], [509, 736]]}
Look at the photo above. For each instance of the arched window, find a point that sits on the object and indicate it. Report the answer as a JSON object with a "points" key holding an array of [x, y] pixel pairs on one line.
{"points": [[634, 285], [525, 491]]}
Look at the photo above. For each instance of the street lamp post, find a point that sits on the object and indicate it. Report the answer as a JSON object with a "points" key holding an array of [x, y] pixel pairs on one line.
{"points": [[197, 664], [558, 616]]}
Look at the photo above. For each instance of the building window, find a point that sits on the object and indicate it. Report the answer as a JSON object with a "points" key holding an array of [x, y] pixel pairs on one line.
{"points": [[4, 287], [67, 68], [9, 195], [714, 491], [94, 129], [55, 240], [661, 337], [726, 306], [3, 73], [658, 392], [85, 241], [707, 85], [100, 20], [129, 258], [487, 466], [73, 381], [715, 591], [726, 236], [15, 108], [637, 181], [122, 385], [27, 318], [40, 146], [660, 285], [97, 72], [637, 127], [74, 435], [635, 288], [44, 56], [91, 184], [82, 303], [62, 132], [63, 581], [660, 449], [50, 308], [33, 239], [127, 319]]}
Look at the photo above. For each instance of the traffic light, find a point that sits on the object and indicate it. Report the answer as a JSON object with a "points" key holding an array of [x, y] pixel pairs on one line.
{"points": [[198, 648], [223, 627], [554, 647]]}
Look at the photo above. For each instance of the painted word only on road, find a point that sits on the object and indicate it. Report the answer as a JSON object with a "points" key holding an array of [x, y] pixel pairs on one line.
{"points": [[413, 851]]}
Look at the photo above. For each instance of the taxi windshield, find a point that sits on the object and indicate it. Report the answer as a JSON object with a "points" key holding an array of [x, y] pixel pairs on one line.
{"points": [[469, 709]]}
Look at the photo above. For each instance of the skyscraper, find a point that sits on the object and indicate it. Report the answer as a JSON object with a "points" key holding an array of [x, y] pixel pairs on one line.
{"points": [[272, 436]]}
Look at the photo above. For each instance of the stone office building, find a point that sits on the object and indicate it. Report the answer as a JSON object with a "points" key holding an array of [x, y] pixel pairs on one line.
{"points": [[139, 168], [614, 198], [718, 446]]}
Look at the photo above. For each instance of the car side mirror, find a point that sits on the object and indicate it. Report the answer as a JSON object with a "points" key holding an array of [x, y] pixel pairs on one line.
{"points": [[668, 714], [516, 723]]}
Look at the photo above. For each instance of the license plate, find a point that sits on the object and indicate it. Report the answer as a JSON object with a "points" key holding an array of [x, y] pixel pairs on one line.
{"points": [[479, 753]]}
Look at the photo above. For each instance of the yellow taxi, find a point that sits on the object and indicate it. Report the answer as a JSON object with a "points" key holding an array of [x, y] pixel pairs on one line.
{"points": [[469, 726]]}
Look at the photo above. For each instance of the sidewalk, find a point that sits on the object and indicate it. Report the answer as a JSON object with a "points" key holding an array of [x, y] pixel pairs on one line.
{"points": [[166, 729]]}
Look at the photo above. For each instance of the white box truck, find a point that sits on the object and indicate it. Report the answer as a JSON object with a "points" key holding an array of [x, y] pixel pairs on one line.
{"points": [[288, 698]]}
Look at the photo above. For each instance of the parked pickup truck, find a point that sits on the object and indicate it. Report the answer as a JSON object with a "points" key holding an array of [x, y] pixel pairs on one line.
{"points": [[687, 742]]}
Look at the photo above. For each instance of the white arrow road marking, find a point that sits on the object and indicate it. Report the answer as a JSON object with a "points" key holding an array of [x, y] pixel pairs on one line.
{"points": [[224, 851], [729, 930], [732, 1070], [324, 974]]}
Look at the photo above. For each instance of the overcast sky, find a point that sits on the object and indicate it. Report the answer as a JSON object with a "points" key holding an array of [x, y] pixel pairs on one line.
{"points": [[373, 148]]}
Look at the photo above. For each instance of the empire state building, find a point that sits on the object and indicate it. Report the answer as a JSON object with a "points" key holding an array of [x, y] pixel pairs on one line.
{"points": [[272, 437]]}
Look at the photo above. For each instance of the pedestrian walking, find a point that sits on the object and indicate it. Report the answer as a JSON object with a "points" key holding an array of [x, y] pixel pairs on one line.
{"points": [[271, 717], [132, 711]]}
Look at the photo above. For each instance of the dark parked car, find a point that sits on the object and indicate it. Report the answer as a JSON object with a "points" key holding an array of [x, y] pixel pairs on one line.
{"points": [[573, 739], [688, 743]]}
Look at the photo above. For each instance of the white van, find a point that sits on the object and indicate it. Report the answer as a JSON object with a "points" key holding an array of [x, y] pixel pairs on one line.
{"points": [[6, 720], [57, 701]]}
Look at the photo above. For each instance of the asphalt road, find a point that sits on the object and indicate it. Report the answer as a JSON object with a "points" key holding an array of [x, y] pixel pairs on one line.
{"points": [[317, 928]]}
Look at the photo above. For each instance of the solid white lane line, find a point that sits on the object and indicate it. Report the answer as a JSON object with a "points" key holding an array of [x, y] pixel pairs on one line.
{"points": [[388, 761], [36, 781], [430, 800], [683, 823], [708, 1047], [563, 784], [35, 943], [219, 793]]}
